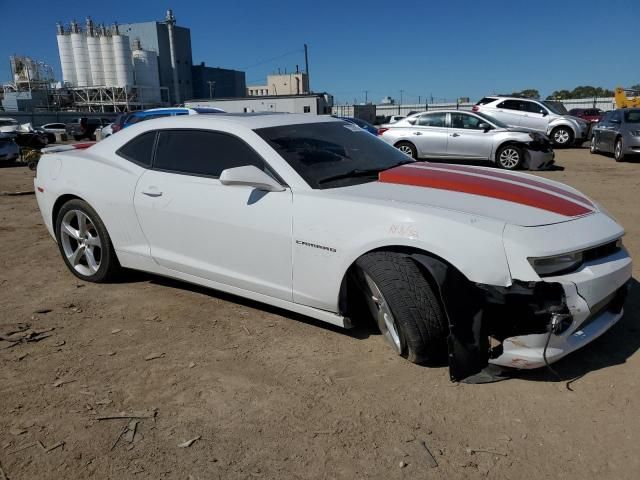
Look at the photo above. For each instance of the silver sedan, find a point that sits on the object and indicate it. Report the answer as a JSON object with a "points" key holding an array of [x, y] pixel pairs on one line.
{"points": [[618, 133], [457, 135]]}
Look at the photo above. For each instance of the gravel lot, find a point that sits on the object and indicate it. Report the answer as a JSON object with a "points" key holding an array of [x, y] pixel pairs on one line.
{"points": [[269, 394]]}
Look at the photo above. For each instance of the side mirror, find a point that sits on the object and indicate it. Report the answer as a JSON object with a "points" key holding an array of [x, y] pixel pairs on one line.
{"points": [[250, 176], [544, 113], [484, 126]]}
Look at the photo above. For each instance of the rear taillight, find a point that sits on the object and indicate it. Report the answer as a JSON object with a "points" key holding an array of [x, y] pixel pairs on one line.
{"points": [[382, 130], [475, 108]]}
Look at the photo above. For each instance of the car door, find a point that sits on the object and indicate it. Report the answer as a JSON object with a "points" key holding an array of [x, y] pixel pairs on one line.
{"points": [[613, 127], [600, 132], [234, 235], [429, 134], [607, 130], [534, 116], [467, 139], [510, 112]]}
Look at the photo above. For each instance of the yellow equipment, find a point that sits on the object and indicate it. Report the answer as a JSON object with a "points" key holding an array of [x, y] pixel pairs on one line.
{"points": [[624, 101]]}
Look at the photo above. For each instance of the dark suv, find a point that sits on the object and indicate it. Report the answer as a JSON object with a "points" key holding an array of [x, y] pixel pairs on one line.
{"points": [[84, 127]]}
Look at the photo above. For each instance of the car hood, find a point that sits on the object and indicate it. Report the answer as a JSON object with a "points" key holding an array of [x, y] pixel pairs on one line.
{"points": [[514, 198]]}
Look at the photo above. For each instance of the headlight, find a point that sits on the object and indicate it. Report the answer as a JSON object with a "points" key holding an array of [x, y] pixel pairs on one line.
{"points": [[546, 266]]}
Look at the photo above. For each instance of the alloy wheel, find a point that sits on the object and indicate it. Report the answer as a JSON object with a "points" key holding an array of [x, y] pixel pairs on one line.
{"points": [[561, 136], [406, 149], [384, 318], [509, 158], [81, 242], [618, 150], [592, 147]]}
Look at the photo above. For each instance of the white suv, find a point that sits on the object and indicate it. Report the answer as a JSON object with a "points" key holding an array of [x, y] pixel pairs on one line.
{"points": [[550, 118]]}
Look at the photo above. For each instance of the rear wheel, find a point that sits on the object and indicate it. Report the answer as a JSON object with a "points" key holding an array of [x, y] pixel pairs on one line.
{"points": [[404, 305], [509, 157], [408, 149], [84, 242], [562, 136], [618, 151]]}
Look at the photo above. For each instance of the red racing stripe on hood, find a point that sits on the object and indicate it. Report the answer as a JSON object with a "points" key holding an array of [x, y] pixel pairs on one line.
{"points": [[486, 187], [507, 176]]}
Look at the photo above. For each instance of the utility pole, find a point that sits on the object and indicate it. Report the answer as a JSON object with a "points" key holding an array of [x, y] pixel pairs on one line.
{"points": [[306, 66], [366, 96], [400, 104], [211, 84]]}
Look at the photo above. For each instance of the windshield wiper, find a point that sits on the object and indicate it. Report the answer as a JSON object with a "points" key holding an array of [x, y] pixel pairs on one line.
{"points": [[357, 172], [371, 172]]}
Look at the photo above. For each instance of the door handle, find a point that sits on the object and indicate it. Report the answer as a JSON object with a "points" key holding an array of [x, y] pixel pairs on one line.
{"points": [[417, 133], [152, 193], [455, 134]]}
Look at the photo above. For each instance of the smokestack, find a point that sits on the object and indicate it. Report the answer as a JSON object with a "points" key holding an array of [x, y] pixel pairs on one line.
{"points": [[171, 21]]}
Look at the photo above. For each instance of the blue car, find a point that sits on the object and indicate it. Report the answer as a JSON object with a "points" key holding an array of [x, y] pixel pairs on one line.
{"points": [[362, 124], [141, 116]]}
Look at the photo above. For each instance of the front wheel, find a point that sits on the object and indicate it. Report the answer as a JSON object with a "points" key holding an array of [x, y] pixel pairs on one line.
{"points": [[618, 151], [404, 306], [509, 157], [408, 149], [84, 243], [593, 147], [562, 136]]}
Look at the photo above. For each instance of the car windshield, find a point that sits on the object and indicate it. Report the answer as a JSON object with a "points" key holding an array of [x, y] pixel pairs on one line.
{"points": [[493, 120], [632, 116], [332, 154], [556, 107]]}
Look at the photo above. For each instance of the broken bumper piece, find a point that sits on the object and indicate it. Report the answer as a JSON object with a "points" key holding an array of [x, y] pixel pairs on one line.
{"points": [[527, 351]]}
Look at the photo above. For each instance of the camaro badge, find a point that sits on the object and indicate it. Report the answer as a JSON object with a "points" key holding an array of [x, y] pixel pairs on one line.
{"points": [[314, 245]]}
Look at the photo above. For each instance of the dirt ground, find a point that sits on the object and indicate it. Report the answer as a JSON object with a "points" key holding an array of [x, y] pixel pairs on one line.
{"points": [[273, 395]]}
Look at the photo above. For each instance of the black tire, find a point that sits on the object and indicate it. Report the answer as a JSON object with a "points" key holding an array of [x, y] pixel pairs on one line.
{"points": [[509, 157], [77, 138], [593, 148], [618, 152], [562, 136], [109, 265], [418, 315], [408, 148]]}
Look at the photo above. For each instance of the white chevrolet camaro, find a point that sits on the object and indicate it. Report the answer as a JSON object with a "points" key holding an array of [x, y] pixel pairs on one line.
{"points": [[317, 216]]}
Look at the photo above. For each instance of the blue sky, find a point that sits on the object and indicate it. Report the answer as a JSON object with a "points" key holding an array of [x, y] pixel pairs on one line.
{"points": [[446, 49]]}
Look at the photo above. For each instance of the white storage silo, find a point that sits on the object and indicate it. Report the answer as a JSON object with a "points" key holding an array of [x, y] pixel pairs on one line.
{"points": [[147, 77], [95, 60], [122, 60], [80, 57], [66, 57], [108, 66]]}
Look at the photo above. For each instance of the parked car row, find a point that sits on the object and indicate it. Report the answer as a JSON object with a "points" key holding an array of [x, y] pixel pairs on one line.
{"points": [[459, 135]]}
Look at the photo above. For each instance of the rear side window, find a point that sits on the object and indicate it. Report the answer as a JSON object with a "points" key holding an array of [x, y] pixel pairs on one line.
{"points": [[511, 105], [485, 101], [206, 153], [139, 150], [432, 120]]}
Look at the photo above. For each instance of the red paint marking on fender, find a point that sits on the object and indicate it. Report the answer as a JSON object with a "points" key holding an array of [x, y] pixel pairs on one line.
{"points": [[506, 176], [486, 187], [82, 146], [40, 189]]}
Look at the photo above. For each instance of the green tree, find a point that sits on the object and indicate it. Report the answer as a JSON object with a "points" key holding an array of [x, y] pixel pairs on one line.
{"points": [[527, 93]]}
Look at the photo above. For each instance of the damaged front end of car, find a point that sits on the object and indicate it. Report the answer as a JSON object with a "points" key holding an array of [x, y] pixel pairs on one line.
{"points": [[516, 326]]}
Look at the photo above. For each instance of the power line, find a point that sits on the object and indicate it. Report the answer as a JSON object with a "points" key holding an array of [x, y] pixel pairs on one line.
{"points": [[272, 59]]}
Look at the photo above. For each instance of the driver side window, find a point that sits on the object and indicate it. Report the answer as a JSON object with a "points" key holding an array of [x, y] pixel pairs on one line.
{"points": [[466, 121], [202, 153]]}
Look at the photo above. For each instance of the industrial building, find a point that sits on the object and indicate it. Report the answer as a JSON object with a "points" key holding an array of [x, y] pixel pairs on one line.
{"points": [[295, 83], [137, 65], [317, 104]]}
